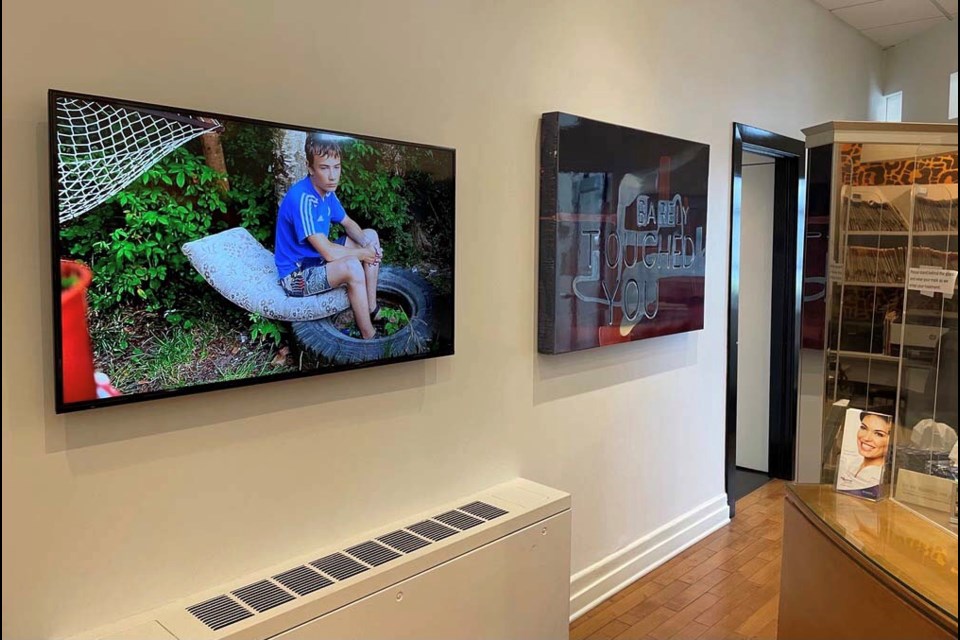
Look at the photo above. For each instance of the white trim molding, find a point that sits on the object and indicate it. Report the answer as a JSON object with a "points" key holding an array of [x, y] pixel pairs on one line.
{"points": [[596, 583]]}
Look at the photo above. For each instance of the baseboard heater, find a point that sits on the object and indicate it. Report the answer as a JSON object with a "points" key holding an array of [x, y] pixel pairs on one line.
{"points": [[492, 565]]}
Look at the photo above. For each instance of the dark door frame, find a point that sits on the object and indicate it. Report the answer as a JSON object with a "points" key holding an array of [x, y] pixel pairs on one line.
{"points": [[786, 296]]}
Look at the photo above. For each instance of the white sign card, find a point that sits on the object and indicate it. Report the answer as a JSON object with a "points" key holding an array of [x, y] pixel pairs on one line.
{"points": [[930, 280]]}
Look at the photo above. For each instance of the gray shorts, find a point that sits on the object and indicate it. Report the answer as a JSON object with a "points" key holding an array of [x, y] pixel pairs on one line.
{"points": [[308, 281]]}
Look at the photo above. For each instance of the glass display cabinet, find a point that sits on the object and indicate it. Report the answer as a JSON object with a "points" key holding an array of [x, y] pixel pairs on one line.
{"points": [[842, 555], [882, 237]]}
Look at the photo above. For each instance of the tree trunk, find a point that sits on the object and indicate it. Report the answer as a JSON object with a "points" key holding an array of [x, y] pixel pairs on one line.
{"points": [[289, 161], [213, 154]]}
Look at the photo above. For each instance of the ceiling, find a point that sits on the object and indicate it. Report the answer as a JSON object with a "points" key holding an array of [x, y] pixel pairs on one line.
{"points": [[890, 22]]}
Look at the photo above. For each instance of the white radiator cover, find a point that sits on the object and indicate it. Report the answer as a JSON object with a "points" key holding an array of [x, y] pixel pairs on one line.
{"points": [[506, 577]]}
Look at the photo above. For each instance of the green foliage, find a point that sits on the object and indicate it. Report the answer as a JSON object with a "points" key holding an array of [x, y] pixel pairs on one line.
{"points": [[396, 319], [141, 355], [248, 367], [403, 194], [133, 240], [163, 362], [110, 334], [264, 329], [247, 150], [249, 157], [170, 354], [177, 319], [254, 205], [373, 194]]}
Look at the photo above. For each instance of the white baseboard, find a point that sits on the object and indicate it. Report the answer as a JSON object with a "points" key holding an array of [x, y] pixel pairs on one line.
{"points": [[596, 583]]}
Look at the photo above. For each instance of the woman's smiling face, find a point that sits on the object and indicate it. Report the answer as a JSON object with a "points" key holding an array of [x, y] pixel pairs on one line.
{"points": [[873, 437]]}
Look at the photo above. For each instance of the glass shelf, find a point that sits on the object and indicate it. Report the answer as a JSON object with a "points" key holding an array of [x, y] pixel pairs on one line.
{"points": [[863, 354], [854, 283], [922, 234]]}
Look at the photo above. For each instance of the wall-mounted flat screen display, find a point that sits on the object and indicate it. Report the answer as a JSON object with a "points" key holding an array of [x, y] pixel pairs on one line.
{"points": [[194, 251]]}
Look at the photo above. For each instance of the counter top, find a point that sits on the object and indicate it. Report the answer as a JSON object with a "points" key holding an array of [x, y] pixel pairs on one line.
{"points": [[897, 544]]}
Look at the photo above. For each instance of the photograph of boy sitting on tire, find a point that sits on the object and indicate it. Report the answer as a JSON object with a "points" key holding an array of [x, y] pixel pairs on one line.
{"points": [[308, 262], [222, 249]]}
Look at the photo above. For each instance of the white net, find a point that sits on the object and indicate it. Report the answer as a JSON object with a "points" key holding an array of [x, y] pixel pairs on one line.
{"points": [[102, 148]]}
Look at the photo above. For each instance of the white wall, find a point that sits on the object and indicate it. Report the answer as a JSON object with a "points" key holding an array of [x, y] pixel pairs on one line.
{"points": [[921, 68], [114, 511], [756, 280]]}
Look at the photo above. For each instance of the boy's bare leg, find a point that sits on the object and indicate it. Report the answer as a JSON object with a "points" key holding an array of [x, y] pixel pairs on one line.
{"points": [[371, 271], [371, 276], [349, 272]]}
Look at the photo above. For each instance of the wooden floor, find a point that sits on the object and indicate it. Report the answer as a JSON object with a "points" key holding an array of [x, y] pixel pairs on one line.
{"points": [[725, 586]]}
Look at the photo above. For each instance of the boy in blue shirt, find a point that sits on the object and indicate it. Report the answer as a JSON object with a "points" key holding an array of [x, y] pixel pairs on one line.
{"points": [[308, 262]]}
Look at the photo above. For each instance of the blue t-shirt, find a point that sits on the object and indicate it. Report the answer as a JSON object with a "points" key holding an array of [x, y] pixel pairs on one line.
{"points": [[303, 212]]}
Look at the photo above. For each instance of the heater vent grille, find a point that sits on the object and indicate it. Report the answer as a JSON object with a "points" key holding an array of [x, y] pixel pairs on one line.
{"points": [[483, 510], [302, 580], [458, 519], [339, 566], [263, 595], [219, 612], [432, 530], [372, 553], [266, 594], [403, 541]]}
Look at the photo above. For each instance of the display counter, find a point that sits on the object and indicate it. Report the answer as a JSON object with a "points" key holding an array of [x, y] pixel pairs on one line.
{"points": [[859, 569]]}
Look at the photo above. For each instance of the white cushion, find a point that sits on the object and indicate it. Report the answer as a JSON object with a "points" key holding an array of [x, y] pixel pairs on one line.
{"points": [[243, 271]]}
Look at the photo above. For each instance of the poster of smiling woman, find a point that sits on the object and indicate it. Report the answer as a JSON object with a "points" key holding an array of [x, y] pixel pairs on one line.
{"points": [[863, 453]]}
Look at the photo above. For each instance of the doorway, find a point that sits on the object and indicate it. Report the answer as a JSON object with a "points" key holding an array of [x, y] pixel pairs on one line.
{"points": [[766, 235], [753, 335]]}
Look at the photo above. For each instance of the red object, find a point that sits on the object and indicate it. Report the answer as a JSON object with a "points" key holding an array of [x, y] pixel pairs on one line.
{"points": [[663, 178], [77, 357]]}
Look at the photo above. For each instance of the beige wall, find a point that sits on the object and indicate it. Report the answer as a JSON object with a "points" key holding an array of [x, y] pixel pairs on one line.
{"points": [[114, 511], [921, 68]]}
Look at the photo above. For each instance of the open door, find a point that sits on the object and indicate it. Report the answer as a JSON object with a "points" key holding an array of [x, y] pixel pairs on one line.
{"points": [[788, 156]]}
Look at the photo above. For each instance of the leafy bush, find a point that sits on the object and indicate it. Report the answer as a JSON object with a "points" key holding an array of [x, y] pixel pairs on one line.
{"points": [[396, 319], [133, 240], [254, 206], [264, 329], [373, 194], [398, 191]]}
